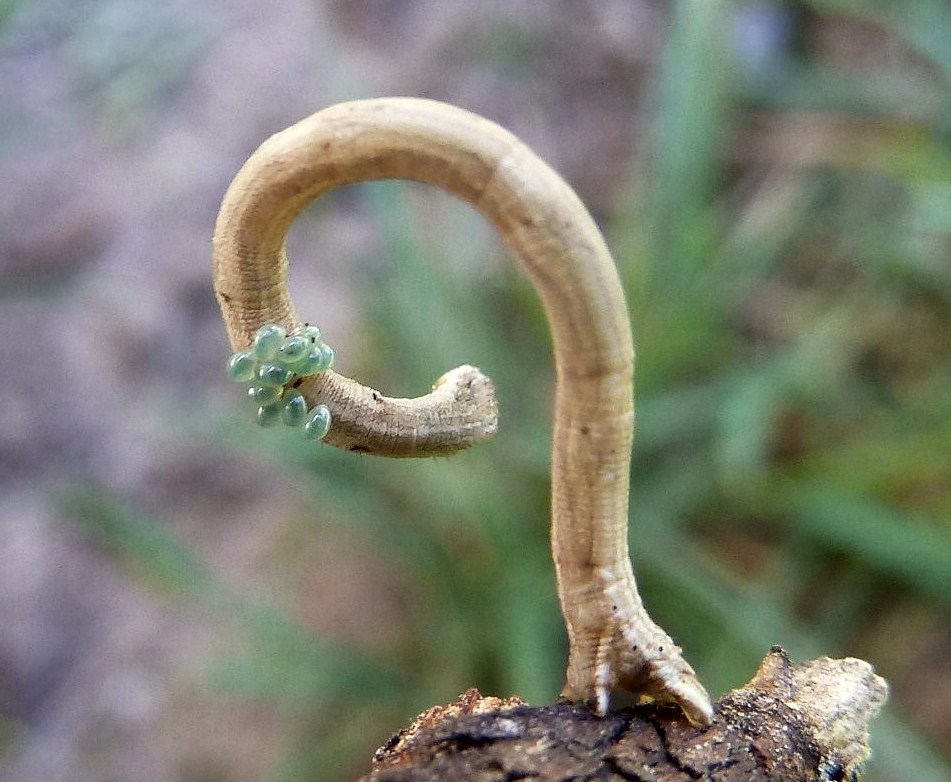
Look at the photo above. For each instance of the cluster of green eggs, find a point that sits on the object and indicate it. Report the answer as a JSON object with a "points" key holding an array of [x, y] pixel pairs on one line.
{"points": [[275, 361]]}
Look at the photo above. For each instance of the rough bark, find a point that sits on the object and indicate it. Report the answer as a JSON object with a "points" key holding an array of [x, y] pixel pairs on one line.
{"points": [[807, 722]]}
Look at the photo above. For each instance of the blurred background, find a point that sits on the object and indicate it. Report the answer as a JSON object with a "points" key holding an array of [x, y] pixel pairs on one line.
{"points": [[186, 597]]}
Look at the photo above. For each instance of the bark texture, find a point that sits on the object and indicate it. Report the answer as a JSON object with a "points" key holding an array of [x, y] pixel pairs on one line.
{"points": [[807, 722]]}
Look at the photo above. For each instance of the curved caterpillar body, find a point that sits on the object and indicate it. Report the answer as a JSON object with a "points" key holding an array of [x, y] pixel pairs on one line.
{"points": [[613, 642]]}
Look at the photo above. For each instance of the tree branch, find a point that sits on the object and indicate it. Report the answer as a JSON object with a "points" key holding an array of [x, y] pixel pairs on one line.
{"points": [[805, 723]]}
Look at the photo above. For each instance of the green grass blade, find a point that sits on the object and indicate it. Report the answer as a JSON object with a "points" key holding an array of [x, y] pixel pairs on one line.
{"points": [[916, 552]]}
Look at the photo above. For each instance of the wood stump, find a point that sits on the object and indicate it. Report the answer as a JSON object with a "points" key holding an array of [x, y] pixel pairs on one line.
{"points": [[807, 722]]}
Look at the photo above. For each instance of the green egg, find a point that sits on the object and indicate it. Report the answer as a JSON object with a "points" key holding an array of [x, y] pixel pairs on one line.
{"points": [[310, 333], [327, 357], [242, 366], [308, 365], [293, 350], [318, 424], [294, 411], [274, 375], [268, 341], [264, 395], [318, 360], [269, 415]]}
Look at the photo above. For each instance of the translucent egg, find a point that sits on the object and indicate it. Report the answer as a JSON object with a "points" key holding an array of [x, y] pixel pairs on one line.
{"points": [[293, 350], [310, 333], [318, 360], [318, 424], [294, 411], [264, 395], [268, 341], [273, 375], [268, 415], [242, 366], [305, 367], [327, 357]]}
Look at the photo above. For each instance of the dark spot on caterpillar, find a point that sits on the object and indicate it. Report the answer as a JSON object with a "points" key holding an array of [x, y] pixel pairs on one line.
{"points": [[297, 383], [225, 298], [585, 430], [376, 396], [358, 449]]}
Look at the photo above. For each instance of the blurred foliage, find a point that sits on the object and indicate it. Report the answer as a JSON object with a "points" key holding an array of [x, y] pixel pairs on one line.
{"points": [[785, 249], [124, 56]]}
